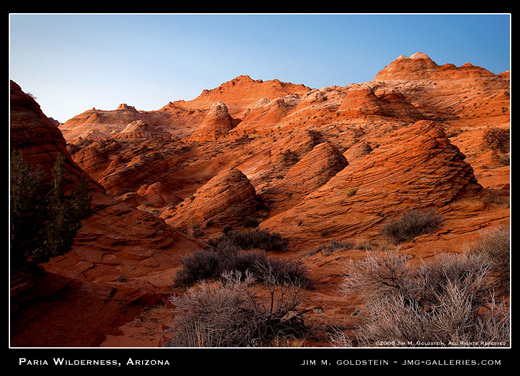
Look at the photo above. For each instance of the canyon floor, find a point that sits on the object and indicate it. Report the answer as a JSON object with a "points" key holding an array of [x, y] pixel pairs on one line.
{"points": [[318, 166]]}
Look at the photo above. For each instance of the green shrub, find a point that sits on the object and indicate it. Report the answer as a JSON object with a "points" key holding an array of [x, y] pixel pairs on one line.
{"points": [[28, 210], [412, 224], [44, 220]]}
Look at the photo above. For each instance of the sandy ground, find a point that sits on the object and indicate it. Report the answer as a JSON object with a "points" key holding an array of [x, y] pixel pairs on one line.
{"points": [[145, 330]]}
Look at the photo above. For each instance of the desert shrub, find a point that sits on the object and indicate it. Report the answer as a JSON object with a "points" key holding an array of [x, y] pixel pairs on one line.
{"points": [[496, 245], [261, 239], [445, 302], [289, 157], [230, 313], [351, 192], [250, 222], [260, 204], [44, 219], [315, 136], [227, 257], [412, 224], [198, 266], [504, 160], [282, 272], [197, 231], [335, 245], [496, 139]]}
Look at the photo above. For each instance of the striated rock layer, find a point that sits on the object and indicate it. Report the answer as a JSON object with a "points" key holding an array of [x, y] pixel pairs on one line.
{"points": [[37, 138], [226, 198], [417, 168], [141, 130], [307, 175]]}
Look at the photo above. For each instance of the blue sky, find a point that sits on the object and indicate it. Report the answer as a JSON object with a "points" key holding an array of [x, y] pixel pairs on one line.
{"points": [[73, 62]]}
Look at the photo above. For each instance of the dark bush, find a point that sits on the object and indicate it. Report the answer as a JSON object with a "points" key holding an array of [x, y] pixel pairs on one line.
{"points": [[496, 139], [412, 224], [261, 239], [289, 157], [28, 210], [283, 272], [198, 266], [335, 245], [250, 222], [227, 257]]}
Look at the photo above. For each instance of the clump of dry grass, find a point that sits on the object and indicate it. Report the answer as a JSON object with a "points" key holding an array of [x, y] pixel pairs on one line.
{"points": [[231, 313], [446, 302], [412, 224], [496, 245]]}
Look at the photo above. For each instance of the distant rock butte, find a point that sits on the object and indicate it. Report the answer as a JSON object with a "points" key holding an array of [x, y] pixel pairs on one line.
{"points": [[242, 92], [237, 96], [420, 66], [401, 90], [125, 107], [217, 123], [141, 130]]}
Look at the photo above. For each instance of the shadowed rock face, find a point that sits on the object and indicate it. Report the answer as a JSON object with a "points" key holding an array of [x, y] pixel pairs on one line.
{"points": [[307, 175], [121, 256], [37, 137]]}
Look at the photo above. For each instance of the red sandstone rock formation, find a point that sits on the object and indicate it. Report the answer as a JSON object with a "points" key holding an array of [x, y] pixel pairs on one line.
{"points": [[38, 138], [306, 176], [417, 168], [217, 123], [316, 165], [141, 130], [242, 92], [225, 199], [360, 101]]}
